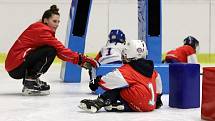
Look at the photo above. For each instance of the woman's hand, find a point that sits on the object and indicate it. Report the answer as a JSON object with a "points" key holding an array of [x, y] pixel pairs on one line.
{"points": [[87, 62]]}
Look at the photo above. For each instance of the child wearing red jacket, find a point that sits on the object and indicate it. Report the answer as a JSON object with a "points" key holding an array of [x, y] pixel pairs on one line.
{"points": [[185, 53], [135, 86]]}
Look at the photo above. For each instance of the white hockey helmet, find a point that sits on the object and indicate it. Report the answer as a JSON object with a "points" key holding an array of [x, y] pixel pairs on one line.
{"points": [[135, 49]]}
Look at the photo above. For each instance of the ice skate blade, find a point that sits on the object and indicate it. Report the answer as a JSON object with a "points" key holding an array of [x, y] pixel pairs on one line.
{"points": [[31, 92], [111, 107], [84, 107]]}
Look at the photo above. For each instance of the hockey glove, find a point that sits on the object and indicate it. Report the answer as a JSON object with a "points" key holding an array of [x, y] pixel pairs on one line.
{"points": [[159, 101], [87, 62], [94, 84]]}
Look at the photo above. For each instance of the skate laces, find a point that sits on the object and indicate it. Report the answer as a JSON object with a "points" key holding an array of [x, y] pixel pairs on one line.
{"points": [[40, 83]]}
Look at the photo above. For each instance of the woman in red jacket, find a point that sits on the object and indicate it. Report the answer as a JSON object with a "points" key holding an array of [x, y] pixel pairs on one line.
{"points": [[34, 51], [135, 86]]}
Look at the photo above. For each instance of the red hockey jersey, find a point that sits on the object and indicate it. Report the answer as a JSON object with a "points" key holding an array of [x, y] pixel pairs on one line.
{"points": [[36, 35], [181, 54], [139, 91]]}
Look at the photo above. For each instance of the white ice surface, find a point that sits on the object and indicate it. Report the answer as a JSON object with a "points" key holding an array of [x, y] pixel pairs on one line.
{"points": [[62, 103]]}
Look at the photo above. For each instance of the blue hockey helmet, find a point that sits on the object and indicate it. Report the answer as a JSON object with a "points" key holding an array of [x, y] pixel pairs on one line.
{"points": [[191, 41], [116, 36]]}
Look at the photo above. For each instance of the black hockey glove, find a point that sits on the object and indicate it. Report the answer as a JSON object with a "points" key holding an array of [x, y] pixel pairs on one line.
{"points": [[94, 84], [159, 101]]}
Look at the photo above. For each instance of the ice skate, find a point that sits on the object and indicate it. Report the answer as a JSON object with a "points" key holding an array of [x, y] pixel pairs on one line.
{"points": [[35, 87], [92, 105], [115, 107]]}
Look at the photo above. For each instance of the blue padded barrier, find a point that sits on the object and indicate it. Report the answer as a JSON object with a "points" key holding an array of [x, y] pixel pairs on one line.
{"points": [[104, 69], [76, 37], [154, 48], [184, 85], [163, 70]]}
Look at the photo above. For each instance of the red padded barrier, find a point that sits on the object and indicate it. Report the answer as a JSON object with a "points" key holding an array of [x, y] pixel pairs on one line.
{"points": [[208, 94]]}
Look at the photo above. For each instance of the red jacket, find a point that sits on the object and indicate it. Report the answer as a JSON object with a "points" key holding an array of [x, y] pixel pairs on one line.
{"points": [[181, 53], [142, 90], [139, 91], [36, 35]]}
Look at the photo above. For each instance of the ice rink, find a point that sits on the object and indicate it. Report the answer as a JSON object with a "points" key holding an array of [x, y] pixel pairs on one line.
{"points": [[62, 103]]}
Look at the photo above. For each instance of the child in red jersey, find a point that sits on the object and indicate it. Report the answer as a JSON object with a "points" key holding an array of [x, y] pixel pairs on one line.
{"points": [[135, 86], [185, 53]]}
